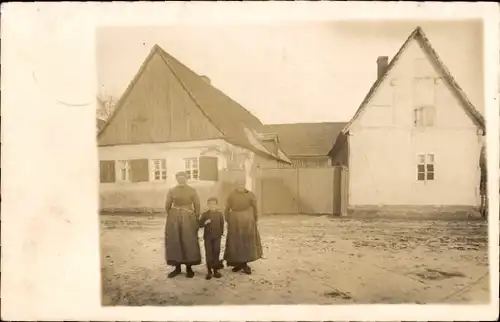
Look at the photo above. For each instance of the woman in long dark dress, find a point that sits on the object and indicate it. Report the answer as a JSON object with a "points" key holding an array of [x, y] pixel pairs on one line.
{"points": [[243, 244], [483, 187], [181, 229]]}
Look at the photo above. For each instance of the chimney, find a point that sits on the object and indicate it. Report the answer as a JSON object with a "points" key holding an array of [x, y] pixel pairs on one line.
{"points": [[206, 79], [382, 63]]}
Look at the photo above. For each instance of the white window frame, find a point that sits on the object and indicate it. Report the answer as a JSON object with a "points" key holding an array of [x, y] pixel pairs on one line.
{"points": [[123, 171], [426, 159], [190, 165], [159, 166]]}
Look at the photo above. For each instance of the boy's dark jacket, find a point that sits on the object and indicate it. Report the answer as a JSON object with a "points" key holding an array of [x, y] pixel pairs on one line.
{"points": [[215, 228]]}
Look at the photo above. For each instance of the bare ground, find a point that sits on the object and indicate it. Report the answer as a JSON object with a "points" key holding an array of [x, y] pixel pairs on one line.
{"points": [[307, 260]]}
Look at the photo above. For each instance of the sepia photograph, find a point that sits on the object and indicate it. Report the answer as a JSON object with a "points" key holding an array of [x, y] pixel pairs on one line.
{"points": [[250, 161], [321, 162]]}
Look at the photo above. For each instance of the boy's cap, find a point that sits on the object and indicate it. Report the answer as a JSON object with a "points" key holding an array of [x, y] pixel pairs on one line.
{"points": [[214, 199]]}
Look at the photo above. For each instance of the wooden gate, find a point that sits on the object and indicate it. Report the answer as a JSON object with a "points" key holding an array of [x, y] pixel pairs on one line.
{"points": [[278, 191], [315, 190], [303, 190]]}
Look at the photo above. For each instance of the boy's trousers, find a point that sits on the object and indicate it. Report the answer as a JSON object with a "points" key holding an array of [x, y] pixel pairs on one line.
{"points": [[212, 252]]}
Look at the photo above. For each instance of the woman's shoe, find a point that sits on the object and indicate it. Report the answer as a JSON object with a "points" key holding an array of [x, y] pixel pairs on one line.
{"points": [[174, 273], [247, 270]]}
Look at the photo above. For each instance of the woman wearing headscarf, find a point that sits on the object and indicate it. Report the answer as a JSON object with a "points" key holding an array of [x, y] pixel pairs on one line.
{"points": [[243, 244], [181, 229]]}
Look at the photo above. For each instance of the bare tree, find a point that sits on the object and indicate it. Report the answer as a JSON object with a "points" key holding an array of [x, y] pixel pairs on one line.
{"points": [[105, 106]]}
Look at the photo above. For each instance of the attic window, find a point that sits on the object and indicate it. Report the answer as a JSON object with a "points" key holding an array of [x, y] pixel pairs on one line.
{"points": [[424, 116]]}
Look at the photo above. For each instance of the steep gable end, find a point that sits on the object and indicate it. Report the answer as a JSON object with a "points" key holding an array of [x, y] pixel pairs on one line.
{"points": [[156, 108], [419, 37], [168, 102]]}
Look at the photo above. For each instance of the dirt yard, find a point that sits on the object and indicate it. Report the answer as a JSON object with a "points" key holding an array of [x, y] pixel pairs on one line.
{"points": [[307, 260]]}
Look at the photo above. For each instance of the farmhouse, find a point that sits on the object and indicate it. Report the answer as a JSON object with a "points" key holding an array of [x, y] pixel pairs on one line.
{"points": [[171, 119], [415, 140], [306, 144]]}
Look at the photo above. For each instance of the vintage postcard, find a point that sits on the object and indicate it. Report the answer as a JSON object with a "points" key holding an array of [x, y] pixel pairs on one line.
{"points": [[230, 161]]}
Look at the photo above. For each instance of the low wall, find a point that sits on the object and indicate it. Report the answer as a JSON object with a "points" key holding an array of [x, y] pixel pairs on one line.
{"points": [[153, 200]]}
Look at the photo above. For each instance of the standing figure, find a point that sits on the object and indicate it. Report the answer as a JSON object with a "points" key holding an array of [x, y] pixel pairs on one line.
{"points": [[243, 244], [483, 184], [181, 230], [213, 222]]}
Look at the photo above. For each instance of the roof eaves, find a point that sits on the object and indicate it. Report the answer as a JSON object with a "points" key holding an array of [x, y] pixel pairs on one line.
{"points": [[419, 35], [190, 94], [469, 108], [252, 136], [128, 90]]}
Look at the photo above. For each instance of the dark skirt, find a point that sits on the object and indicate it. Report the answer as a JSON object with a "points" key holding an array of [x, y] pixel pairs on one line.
{"points": [[483, 187], [181, 238], [243, 244]]}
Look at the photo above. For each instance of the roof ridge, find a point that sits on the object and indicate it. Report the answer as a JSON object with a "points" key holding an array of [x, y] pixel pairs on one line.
{"points": [[169, 60], [191, 96], [478, 118], [419, 35]]}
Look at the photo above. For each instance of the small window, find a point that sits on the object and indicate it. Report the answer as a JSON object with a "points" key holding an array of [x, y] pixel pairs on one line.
{"points": [[123, 170], [424, 116], [191, 168], [159, 169], [425, 167]]}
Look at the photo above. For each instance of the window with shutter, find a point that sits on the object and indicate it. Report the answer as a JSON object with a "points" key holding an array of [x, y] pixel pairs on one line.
{"points": [[208, 168], [107, 171], [139, 170]]}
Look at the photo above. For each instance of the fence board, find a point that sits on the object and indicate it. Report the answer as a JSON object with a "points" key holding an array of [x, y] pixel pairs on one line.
{"points": [[316, 190], [302, 190], [279, 191]]}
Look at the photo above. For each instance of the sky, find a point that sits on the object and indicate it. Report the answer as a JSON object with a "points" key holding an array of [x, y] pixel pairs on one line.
{"points": [[290, 73]]}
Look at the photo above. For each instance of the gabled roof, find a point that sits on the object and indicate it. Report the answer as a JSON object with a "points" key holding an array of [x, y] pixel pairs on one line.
{"points": [[228, 117], [419, 36], [225, 113], [306, 139]]}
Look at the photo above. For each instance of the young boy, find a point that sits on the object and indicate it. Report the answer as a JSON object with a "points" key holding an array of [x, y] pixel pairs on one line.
{"points": [[213, 222]]}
